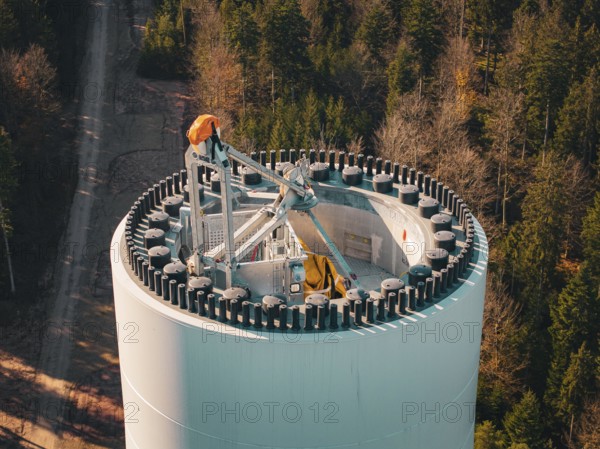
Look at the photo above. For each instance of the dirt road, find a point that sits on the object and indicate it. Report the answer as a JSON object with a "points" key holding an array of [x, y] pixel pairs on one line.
{"points": [[56, 350], [130, 135]]}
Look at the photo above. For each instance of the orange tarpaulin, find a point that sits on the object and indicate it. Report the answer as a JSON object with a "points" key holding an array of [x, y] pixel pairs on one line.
{"points": [[321, 276], [201, 129]]}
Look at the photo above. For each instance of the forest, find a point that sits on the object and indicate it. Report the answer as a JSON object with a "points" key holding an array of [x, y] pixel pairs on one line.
{"points": [[39, 59], [499, 99]]}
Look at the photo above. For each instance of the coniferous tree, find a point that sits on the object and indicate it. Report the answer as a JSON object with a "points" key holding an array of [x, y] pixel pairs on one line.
{"points": [[578, 129], [161, 55], [242, 32], [587, 49], [574, 322], [548, 60], [488, 437], [489, 19], [336, 124], [532, 251], [329, 22], [375, 31], [590, 13], [423, 26], [533, 260], [401, 75], [278, 138], [285, 42], [311, 119], [577, 385], [591, 242], [523, 424]]}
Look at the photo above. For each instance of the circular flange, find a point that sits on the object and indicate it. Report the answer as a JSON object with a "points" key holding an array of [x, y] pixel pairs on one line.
{"points": [[409, 194], [383, 183], [445, 240], [352, 176], [172, 204]]}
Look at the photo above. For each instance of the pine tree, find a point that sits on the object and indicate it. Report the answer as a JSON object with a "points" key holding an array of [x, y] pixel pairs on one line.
{"points": [[329, 22], [590, 13], [488, 437], [578, 128], [375, 30], [242, 31], [548, 60], [591, 243], [298, 134], [423, 26], [574, 322], [285, 42], [401, 75], [523, 424], [311, 119], [587, 49], [162, 54], [336, 125], [246, 133], [532, 251], [489, 18], [278, 137], [577, 385]]}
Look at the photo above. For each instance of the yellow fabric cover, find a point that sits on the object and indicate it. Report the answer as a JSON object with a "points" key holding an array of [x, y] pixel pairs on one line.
{"points": [[201, 129], [321, 275]]}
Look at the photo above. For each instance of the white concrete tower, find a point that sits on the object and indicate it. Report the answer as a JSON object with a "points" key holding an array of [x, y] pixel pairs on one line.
{"points": [[262, 362]]}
